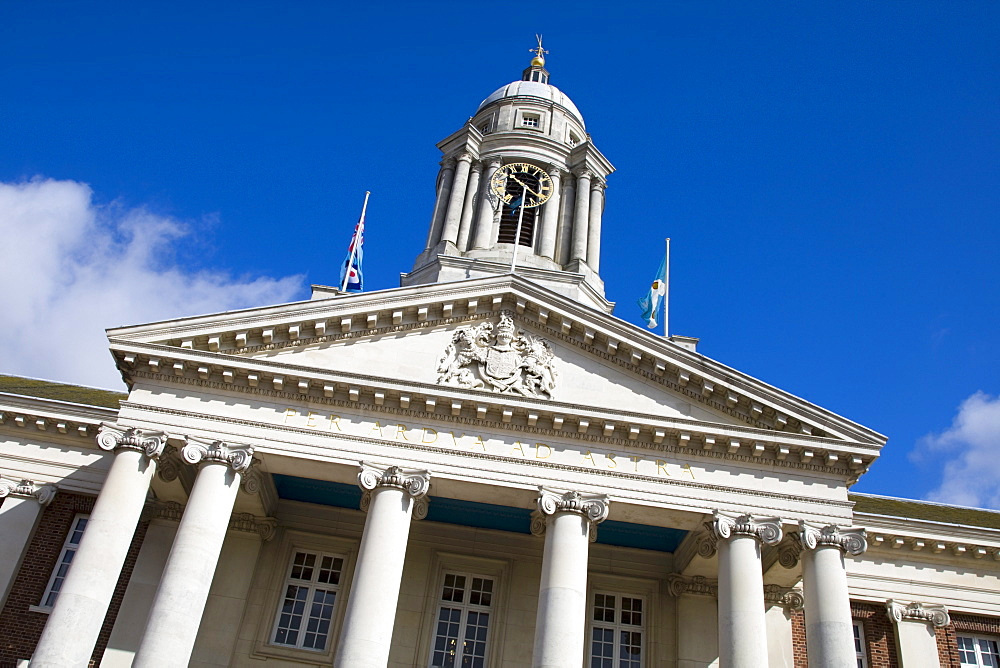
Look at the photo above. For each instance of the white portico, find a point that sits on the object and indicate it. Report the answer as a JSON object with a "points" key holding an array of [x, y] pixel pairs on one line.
{"points": [[477, 466]]}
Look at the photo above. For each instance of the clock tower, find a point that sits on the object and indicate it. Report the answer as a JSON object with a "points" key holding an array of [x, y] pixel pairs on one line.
{"points": [[521, 127]]}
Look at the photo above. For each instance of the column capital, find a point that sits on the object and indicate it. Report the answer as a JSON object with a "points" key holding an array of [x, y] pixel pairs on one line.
{"points": [[494, 163], [112, 437], [787, 597], [448, 163], [594, 507], [264, 527], [28, 489], [698, 584], [555, 171], [935, 615], [477, 167], [414, 482], [465, 156], [598, 185], [846, 539], [765, 529], [238, 457], [583, 174]]}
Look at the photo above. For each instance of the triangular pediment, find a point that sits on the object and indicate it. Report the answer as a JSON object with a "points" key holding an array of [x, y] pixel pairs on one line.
{"points": [[608, 376]]}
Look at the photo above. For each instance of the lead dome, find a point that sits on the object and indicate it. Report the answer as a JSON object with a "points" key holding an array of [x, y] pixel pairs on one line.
{"points": [[536, 89]]}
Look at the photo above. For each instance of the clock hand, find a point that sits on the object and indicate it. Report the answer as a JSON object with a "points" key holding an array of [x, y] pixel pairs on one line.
{"points": [[525, 186]]}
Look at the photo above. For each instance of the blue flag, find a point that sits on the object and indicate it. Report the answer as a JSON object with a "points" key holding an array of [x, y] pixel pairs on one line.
{"points": [[350, 271], [650, 304]]}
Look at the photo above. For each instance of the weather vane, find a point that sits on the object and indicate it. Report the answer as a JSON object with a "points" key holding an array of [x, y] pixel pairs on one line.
{"points": [[539, 52]]}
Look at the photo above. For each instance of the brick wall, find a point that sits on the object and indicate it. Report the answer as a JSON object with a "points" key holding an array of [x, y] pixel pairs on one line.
{"points": [[947, 638], [880, 638], [20, 628]]}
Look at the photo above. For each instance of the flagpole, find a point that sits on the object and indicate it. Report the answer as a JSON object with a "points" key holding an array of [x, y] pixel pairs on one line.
{"points": [[517, 234], [354, 242], [666, 292]]}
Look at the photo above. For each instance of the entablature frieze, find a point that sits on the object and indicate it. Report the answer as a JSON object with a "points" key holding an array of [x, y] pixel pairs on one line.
{"points": [[681, 371], [54, 418], [303, 389]]}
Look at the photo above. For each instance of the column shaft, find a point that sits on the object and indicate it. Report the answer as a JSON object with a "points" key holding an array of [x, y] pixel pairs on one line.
{"points": [[445, 178], [454, 215], [469, 206], [180, 599], [550, 218], [564, 236], [594, 229], [365, 639], [76, 619], [742, 626], [562, 596], [483, 237], [829, 627], [19, 514], [582, 218]]}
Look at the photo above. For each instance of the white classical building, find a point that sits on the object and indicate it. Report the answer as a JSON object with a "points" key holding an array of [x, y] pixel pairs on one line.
{"points": [[480, 468]]}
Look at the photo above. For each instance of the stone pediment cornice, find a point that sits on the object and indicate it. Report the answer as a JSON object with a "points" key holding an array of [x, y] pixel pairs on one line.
{"points": [[53, 416], [945, 540], [635, 351], [553, 419]]}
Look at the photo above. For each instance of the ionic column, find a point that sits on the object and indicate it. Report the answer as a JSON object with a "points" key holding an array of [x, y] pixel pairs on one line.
{"points": [[483, 237], [742, 624], [829, 628], [22, 506], [445, 177], [176, 613], [582, 217], [916, 642], [469, 206], [568, 520], [594, 228], [454, 215], [76, 619], [550, 217], [393, 496]]}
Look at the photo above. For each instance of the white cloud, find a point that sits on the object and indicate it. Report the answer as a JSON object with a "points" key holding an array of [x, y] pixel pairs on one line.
{"points": [[70, 268], [970, 449]]}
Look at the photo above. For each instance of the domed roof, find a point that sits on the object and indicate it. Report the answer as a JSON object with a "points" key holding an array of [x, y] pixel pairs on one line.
{"points": [[533, 89]]}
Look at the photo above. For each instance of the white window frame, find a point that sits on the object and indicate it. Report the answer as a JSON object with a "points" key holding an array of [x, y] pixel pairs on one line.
{"points": [[271, 574], [444, 563], [618, 585], [466, 608], [538, 115], [977, 641], [617, 627], [313, 585], [70, 546], [860, 646]]}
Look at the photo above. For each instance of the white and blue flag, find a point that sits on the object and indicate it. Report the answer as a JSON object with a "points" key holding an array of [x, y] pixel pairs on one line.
{"points": [[350, 271], [650, 304]]}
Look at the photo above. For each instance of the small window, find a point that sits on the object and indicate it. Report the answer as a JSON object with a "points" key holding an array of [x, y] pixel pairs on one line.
{"points": [[461, 633], [978, 651], [65, 560], [485, 128], [573, 139], [859, 646], [617, 628], [531, 120], [310, 595]]}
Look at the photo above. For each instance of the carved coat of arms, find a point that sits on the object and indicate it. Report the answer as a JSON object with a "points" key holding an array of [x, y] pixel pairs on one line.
{"points": [[504, 360]]}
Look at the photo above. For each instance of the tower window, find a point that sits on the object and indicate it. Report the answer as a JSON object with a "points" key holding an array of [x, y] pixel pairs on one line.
{"points": [[485, 127], [573, 139], [530, 120], [509, 216]]}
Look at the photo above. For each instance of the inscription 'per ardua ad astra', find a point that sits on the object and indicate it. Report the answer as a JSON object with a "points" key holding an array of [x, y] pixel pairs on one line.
{"points": [[588, 459]]}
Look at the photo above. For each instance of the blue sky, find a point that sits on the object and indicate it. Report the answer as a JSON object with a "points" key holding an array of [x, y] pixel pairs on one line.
{"points": [[828, 173]]}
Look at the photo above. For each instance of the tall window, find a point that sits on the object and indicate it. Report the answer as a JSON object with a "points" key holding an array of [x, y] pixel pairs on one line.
{"points": [[65, 560], [463, 620], [859, 646], [978, 651], [306, 611], [509, 216], [617, 628]]}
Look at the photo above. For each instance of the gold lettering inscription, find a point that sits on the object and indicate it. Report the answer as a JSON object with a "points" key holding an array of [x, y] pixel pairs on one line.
{"points": [[517, 448], [589, 456], [335, 422], [290, 412], [311, 420], [538, 451], [401, 432], [479, 442], [660, 464], [454, 441], [687, 469], [612, 464], [376, 428], [635, 460], [429, 432]]}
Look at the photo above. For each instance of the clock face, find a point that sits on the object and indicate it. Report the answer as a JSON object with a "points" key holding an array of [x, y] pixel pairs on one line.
{"points": [[519, 181]]}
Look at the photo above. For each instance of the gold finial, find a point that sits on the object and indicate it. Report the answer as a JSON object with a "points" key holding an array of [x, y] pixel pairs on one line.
{"points": [[539, 59]]}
